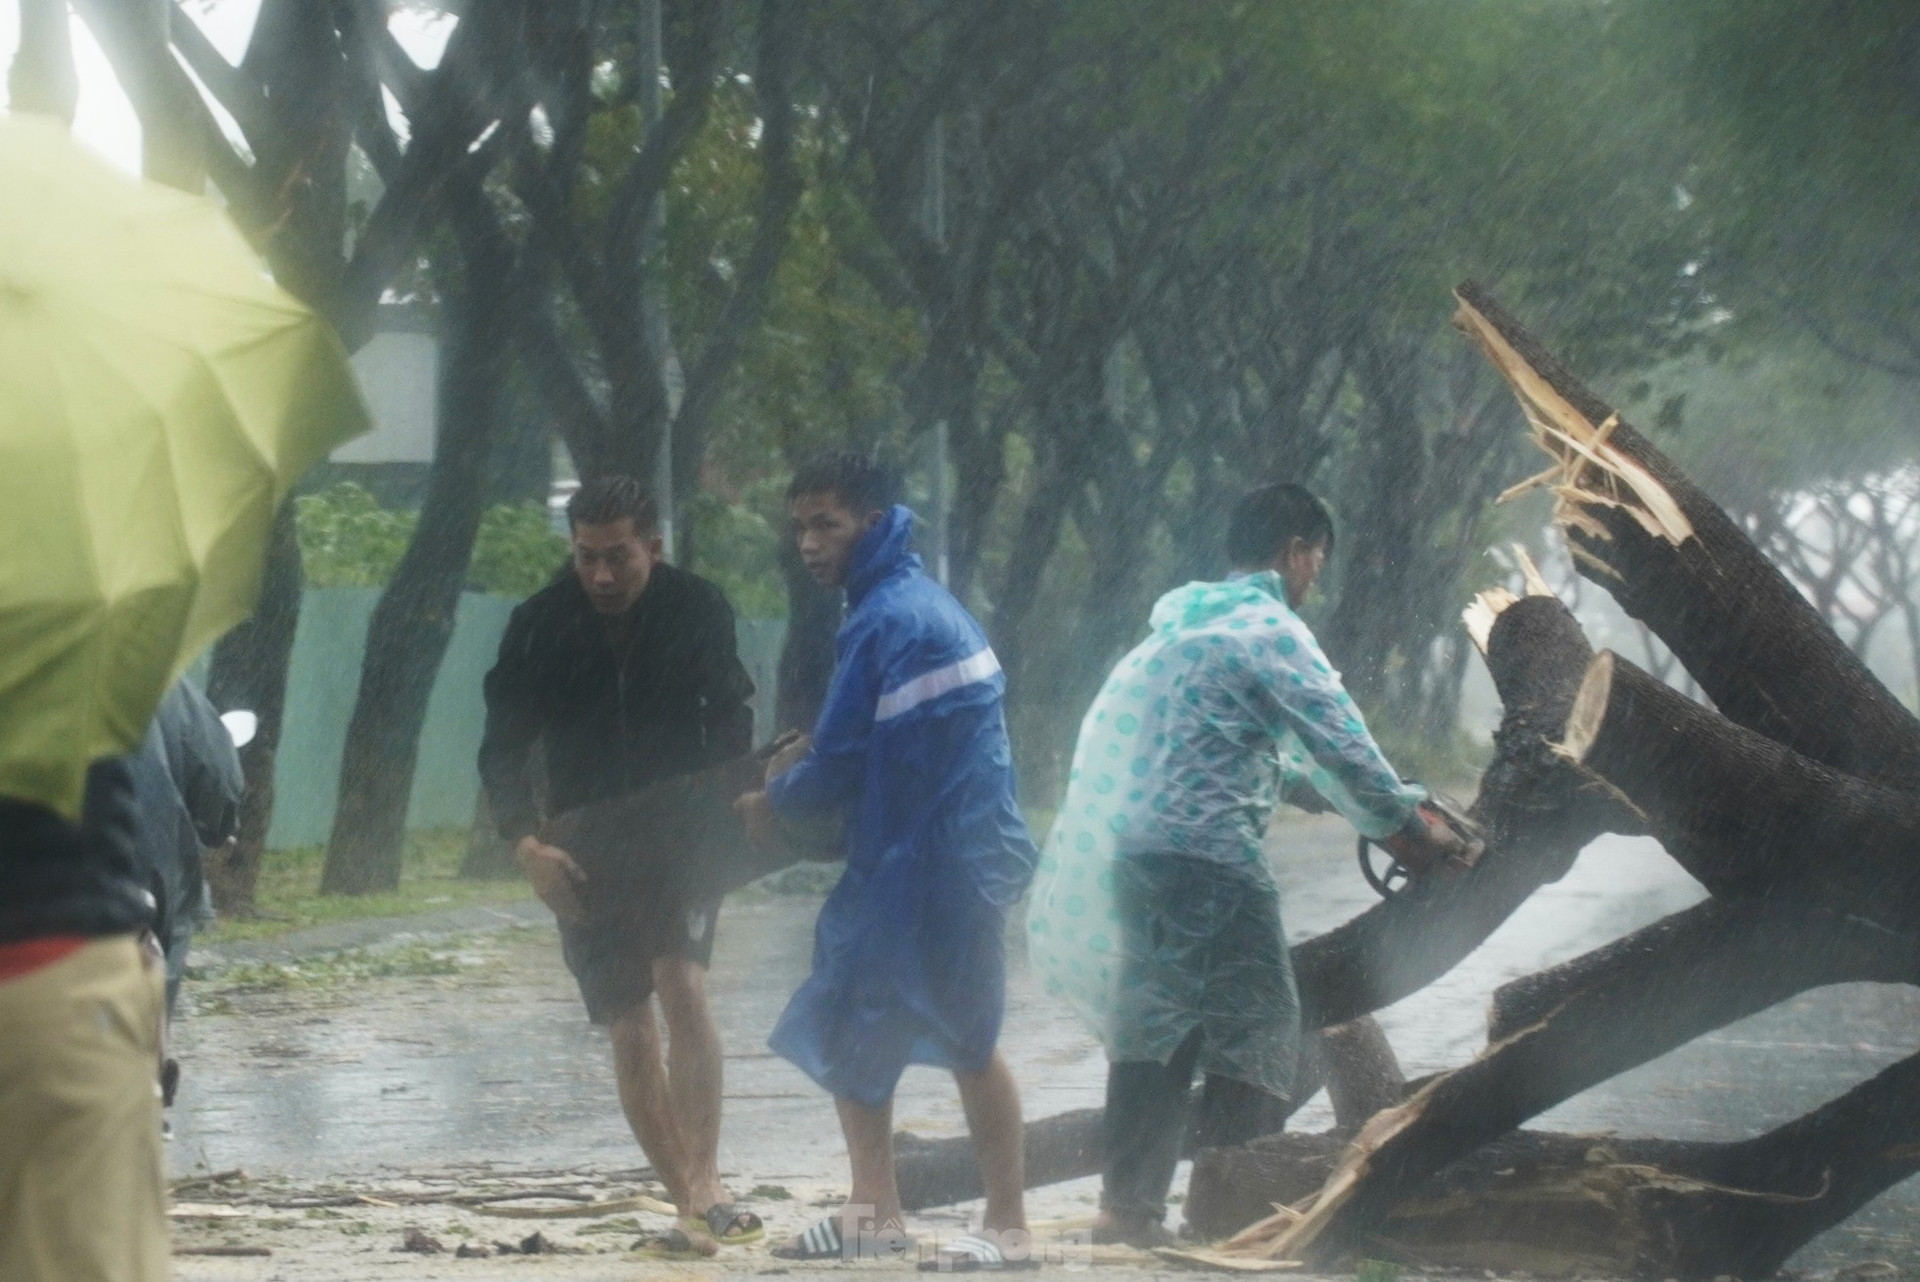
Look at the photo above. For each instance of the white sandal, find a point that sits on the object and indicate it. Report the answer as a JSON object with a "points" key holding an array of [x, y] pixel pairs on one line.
{"points": [[970, 1253]]}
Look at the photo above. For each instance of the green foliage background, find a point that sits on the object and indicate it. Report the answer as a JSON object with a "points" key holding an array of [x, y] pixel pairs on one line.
{"points": [[348, 540]]}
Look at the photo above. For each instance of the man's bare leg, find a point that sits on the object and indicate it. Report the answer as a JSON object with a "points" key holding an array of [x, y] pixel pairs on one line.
{"points": [[695, 1078], [641, 1075], [873, 1205], [875, 1197], [992, 1104]]}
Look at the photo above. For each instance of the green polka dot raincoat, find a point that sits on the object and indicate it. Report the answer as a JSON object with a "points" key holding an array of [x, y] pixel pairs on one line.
{"points": [[1184, 753]]}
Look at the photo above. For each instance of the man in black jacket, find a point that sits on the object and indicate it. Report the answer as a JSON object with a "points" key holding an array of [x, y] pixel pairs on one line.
{"points": [[625, 672]]}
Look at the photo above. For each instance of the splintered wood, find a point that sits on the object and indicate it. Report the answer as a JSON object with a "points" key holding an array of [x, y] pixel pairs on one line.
{"points": [[1588, 470], [1283, 1235], [1488, 606]]}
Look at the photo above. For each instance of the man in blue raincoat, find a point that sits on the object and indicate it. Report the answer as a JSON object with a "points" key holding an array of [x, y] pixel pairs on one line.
{"points": [[1156, 912], [908, 963]]}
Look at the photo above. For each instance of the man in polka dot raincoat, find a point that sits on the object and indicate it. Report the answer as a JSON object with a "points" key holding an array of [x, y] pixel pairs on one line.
{"points": [[1155, 912]]}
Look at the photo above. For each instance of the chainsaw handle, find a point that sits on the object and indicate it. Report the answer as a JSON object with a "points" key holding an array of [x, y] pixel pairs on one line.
{"points": [[1389, 883]]}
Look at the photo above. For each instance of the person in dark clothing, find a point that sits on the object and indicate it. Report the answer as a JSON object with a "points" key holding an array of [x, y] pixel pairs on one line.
{"points": [[82, 1188], [625, 672], [187, 787]]}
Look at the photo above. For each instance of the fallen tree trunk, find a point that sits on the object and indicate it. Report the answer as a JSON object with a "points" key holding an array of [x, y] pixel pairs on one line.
{"points": [[1065, 1146], [1580, 1205], [1649, 999], [1363, 1073], [1353, 1061], [1742, 813], [1531, 998], [1644, 532]]}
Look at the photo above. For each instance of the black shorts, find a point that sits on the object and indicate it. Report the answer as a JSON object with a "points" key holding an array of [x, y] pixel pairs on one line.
{"points": [[612, 954]]}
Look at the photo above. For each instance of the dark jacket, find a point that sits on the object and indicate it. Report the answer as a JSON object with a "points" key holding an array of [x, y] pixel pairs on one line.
{"points": [[62, 878], [187, 785], [670, 700]]}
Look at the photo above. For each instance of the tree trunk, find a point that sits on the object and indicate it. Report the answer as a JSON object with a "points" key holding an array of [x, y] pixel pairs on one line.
{"points": [[1742, 813], [1674, 560], [1582, 1205], [1708, 972], [1363, 1074], [414, 619], [1368, 629], [250, 672], [1067, 1146], [779, 36]]}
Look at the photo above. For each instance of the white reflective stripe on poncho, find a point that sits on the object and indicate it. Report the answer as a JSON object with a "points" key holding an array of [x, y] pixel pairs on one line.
{"points": [[909, 695], [1182, 753]]}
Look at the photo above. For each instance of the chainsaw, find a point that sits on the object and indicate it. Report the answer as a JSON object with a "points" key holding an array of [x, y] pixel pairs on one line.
{"points": [[1440, 808]]}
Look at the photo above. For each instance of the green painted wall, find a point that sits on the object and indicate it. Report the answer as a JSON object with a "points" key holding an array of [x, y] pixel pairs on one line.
{"points": [[325, 676]]}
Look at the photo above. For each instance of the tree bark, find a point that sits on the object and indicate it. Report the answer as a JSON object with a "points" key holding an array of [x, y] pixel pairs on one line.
{"points": [[1759, 650], [250, 672], [1559, 1204], [1581, 1205], [780, 36], [1531, 998], [1742, 813], [1363, 1073], [1708, 969], [414, 619], [1377, 565], [1068, 1145]]}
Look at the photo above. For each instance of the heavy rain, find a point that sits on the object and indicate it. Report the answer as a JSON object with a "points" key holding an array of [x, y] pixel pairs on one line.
{"points": [[742, 636]]}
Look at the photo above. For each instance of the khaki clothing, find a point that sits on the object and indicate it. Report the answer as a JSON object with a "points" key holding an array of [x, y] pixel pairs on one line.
{"points": [[82, 1184]]}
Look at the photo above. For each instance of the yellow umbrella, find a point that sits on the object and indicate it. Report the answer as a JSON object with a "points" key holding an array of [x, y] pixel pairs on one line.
{"points": [[158, 395]]}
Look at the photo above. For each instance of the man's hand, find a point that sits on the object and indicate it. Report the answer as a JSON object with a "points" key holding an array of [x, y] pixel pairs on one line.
{"points": [[1428, 844], [756, 812], [556, 878], [786, 753]]}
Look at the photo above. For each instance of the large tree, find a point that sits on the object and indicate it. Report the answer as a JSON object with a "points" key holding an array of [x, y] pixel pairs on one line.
{"points": [[294, 111]]}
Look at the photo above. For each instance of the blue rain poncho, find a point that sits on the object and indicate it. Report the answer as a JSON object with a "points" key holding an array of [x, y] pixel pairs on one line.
{"points": [[909, 951], [1179, 765]]}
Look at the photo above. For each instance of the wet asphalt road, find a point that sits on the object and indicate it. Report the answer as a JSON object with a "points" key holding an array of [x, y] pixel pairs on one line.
{"points": [[498, 1064]]}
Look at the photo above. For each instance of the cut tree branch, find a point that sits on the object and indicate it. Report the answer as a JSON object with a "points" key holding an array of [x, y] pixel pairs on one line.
{"points": [[1743, 814], [1673, 559]]}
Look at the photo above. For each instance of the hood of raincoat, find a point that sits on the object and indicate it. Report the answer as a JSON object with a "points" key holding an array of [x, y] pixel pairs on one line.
{"points": [[1195, 605], [881, 553]]}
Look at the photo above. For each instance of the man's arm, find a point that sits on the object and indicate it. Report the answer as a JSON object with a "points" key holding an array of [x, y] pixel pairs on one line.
{"points": [[725, 686], [513, 725], [1301, 696], [829, 775]]}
